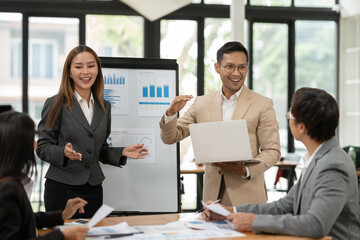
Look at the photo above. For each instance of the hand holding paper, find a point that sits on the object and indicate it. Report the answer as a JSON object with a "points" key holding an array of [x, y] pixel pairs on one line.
{"points": [[216, 208], [101, 213]]}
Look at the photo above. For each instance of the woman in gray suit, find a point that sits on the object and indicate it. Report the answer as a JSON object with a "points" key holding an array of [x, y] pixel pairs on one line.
{"points": [[325, 199], [75, 125]]}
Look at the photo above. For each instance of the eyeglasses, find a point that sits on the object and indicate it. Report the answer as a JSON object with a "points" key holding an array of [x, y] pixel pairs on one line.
{"points": [[290, 116], [230, 68]]}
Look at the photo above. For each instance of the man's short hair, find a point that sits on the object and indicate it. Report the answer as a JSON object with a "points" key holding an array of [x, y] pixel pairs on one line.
{"points": [[230, 47], [318, 110]]}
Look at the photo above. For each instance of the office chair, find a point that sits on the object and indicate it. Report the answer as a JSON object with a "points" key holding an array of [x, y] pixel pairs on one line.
{"points": [[4, 108], [357, 160]]}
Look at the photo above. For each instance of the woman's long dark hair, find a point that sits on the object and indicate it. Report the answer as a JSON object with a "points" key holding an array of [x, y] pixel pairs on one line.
{"points": [[16, 145]]}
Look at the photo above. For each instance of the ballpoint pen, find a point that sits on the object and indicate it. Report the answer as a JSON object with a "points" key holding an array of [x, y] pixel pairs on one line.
{"points": [[202, 209]]}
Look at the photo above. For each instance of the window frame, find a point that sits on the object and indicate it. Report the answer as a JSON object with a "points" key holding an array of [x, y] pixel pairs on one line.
{"points": [[195, 11]]}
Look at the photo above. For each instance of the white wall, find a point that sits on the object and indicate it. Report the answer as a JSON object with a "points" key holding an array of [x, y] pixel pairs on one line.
{"points": [[349, 8]]}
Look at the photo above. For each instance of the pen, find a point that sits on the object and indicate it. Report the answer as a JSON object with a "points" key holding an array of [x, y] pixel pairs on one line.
{"points": [[107, 236], [202, 209]]}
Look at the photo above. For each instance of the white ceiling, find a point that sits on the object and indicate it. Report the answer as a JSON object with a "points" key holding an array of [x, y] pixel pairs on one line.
{"points": [[155, 9], [350, 8]]}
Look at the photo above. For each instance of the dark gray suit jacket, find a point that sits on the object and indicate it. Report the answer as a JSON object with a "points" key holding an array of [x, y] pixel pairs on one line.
{"points": [[323, 202], [72, 127], [17, 220]]}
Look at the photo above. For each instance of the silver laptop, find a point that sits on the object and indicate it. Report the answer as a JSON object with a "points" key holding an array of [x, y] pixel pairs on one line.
{"points": [[221, 142]]}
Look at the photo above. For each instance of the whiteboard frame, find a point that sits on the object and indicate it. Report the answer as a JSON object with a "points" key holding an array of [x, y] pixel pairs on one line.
{"points": [[146, 63]]}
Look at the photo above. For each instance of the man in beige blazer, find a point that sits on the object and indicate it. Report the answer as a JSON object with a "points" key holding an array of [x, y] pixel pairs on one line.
{"points": [[233, 182]]}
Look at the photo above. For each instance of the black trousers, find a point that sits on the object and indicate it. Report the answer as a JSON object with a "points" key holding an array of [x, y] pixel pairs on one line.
{"points": [[57, 194]]}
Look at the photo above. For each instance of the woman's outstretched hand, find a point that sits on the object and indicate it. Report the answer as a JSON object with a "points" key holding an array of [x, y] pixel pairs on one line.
{"points": [[71, 153], [135, 151]]}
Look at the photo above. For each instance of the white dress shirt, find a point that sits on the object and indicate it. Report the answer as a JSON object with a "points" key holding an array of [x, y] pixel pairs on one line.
{"points": [[88, 109], [228, 105], [305, 161]]}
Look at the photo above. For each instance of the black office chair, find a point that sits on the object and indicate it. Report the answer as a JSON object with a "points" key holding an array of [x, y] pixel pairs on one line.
{"points": [[4, 108], [357, 163]]}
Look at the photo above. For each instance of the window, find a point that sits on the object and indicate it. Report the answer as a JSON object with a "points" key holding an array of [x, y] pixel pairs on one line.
{"points": [[312, 3], [121, 34], [228, 2], [42, 60], [115, 36], [270, 70], [315, 58], [50, 41], [315, 55], [11, 60], [217, 32], [16, 59], [271, 2], [179, 41]]}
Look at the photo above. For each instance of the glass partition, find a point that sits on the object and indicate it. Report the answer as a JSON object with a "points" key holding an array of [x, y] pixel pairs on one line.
{"points": [[270, 70], [115, 36], [11, 60]]}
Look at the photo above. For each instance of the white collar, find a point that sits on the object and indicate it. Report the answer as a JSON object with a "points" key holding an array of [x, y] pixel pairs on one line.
{"points": [[236, 95], [79, 98], [306, 159]]}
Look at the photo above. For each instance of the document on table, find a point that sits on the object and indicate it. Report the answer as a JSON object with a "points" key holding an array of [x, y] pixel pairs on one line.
{"points": [[181, 230], [216, 208], [210, 225], [100, 214], [118, 230]]}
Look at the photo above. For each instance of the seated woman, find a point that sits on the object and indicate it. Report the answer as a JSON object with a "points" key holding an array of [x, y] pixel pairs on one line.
{"points": [[17, 220]]}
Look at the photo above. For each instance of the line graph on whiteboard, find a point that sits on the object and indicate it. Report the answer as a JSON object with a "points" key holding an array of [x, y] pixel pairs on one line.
{"points": [[121, 137]]}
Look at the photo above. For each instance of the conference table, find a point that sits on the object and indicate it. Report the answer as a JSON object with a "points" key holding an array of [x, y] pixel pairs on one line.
{"points": [[162, 219], [199, 170]]}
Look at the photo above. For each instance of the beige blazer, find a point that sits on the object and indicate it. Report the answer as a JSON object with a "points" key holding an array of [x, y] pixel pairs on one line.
{"points": [[263, 130]]}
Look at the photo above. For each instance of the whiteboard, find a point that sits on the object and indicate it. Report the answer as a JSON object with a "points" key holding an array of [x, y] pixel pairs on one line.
{"points": [[139, 91]]}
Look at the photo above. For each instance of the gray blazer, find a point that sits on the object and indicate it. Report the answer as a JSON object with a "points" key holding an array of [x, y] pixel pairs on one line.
{"points": [[90, 141], [323, 202]]}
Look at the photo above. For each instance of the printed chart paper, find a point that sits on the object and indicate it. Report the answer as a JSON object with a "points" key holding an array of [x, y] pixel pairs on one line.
{"points": [[116, 89], [121, 137], [156, 90]]}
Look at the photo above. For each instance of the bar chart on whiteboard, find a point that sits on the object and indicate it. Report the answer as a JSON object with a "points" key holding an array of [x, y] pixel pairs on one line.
{"points": [[120, 137], [156, 91], [116, 89]]}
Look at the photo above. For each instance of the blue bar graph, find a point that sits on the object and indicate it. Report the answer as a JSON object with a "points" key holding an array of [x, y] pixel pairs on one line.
{"points": [[166, 91], [158, 91], [155, 91], [145, 92], [152, 90], [113, 79]]}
